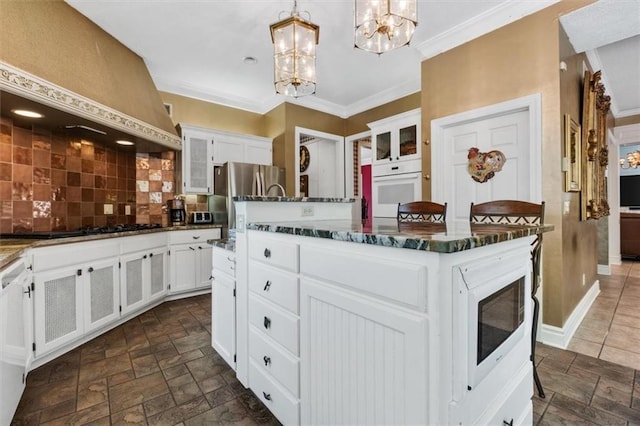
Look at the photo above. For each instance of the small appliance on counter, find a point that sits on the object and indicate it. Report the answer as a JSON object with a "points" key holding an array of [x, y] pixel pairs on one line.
{"points": [[201, 218], [177, 212]]}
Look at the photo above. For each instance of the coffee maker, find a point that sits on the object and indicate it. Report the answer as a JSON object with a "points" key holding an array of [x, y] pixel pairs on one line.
{"points": [[177, 212]]}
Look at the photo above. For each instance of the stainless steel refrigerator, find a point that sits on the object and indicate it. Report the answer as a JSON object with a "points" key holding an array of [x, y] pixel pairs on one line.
{"points": [[234, 179]]}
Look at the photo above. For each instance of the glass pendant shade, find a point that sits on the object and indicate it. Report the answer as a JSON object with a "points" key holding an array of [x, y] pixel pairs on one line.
{"points": [[384, 25], [294, 42]]}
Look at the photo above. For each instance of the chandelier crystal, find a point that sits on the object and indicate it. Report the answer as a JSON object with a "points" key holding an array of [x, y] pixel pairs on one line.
{"points": [[384, 25], [294, 42]]}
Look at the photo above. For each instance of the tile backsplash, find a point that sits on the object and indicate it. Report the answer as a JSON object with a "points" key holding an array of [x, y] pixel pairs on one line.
{"points": [[53, 181]]}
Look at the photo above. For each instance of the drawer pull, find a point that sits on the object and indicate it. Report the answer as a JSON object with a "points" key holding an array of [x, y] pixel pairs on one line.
{"points": [[191, 248], [506, 423], [267, 253], [231, 260], [196, 237], [267, 360], [267, 286], [267, 322], [267, 396]]}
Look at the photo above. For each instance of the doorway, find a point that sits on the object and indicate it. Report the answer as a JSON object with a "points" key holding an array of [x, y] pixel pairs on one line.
{"points": [[320, 157], [358, 168]]}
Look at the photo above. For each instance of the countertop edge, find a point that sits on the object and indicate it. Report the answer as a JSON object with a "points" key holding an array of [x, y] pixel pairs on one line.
{"points": [[510, 232]]}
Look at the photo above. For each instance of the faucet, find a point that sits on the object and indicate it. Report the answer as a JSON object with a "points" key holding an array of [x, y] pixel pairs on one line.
{"points": [[277, 185]]}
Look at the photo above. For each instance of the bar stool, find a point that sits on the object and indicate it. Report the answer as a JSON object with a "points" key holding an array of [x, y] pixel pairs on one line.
{"points": [[513, 212], [422, 211]]}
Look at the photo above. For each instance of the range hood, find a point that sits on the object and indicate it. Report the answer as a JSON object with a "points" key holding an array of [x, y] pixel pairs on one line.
{"points": [[74, 114]]}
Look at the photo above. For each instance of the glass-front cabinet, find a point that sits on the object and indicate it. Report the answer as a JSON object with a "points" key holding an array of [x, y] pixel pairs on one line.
{"points": [[396, 138]]}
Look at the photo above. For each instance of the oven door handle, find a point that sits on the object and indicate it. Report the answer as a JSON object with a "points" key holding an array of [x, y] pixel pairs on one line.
{"points": [[399, 176]]}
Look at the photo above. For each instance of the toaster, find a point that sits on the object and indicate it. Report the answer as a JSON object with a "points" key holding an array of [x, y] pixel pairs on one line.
{"points": [[201, 217]]}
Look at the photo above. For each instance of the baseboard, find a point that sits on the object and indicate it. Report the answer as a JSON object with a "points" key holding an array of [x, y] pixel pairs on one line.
{"points": [[604, 270], [615, 260], [560, 337]]}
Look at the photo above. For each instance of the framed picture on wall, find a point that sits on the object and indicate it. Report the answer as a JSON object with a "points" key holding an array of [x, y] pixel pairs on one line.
{"points": [[572, 154]]}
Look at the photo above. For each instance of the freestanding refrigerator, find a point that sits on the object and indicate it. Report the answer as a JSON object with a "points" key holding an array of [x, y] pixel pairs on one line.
{"points": [[234, 179]]}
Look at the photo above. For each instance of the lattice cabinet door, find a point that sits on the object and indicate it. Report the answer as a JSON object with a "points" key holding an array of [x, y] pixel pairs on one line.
{"points": [[58, 311], [133, 277], [102, 293], [158, 263]]}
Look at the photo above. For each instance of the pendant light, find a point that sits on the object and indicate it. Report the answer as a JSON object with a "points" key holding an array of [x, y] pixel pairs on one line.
{"points": [[384, 25], [294, 42]]}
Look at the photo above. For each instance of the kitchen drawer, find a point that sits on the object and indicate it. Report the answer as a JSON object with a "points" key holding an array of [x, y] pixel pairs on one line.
{"points": [[58, 256], [274, 360], [273, 396], [275, 322], [275, 285], [275, 252], [517, 408], [404, 283], [397, 167], [194, 236], [224, 261]]}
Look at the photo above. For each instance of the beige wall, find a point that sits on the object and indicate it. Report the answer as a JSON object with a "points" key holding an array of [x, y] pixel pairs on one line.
{"points": [[54, 42], [624, 121], [206, 114], [357, 123], [518, 60]]}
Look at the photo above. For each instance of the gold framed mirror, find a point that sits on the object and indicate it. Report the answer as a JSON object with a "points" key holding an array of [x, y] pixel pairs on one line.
{"points": [[595, 107]]}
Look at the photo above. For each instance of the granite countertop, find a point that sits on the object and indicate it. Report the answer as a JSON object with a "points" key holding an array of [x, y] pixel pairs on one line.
{"points": [[449, 238], [11, 249], [227, 244], [293, 199]]}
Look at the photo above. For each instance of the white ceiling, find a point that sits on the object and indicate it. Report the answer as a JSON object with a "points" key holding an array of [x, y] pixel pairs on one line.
{"points": [[196, 47]]}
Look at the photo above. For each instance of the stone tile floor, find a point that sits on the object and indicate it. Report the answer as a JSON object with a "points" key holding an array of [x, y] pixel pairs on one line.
{"points": [[156, 369], [159, 369], [611, 328]]}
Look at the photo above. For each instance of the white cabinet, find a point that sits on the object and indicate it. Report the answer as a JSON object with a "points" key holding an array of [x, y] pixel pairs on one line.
{"points": [[274, 322], [16, 328], [196, 161], [143, 272], [396, 139], [234, 147], [191, 259], [223, 299], [76, 291]]}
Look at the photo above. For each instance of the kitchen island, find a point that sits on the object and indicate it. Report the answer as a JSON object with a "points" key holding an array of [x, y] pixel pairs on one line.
{"points": [[361, 323]]}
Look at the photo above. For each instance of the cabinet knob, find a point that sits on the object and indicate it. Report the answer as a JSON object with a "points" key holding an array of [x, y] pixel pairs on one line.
{"points": [[150, 254], [90, 269], [144, 257], [390, 159], [267, 396], [426, 177], [397, 158], [267, 253], [427, 141], [267, 322], [267, 286], [199, 248], [267, 360]]}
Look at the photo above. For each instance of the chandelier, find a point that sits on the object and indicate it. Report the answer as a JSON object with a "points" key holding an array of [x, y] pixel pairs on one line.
{"points": [[294, 43], [384, 25], [631, 161]]}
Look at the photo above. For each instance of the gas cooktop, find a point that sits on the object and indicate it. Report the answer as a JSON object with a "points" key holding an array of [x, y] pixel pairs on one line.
{"points": [[89, 230]]}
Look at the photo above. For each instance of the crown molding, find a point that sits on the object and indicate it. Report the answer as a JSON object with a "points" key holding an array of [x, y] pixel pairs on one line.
{"points": [[492, 19], [29, 86]]}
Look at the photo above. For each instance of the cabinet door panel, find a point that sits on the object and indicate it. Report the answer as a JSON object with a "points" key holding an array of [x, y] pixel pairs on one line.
{"points": [[183, 268], [58, 309], [223, 329], [132, 282], [205, 265], [102, 295], [365, 354], [158, 273]]}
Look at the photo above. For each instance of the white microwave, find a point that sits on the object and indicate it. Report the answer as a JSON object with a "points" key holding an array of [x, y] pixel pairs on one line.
{"points": [[499, 313]]}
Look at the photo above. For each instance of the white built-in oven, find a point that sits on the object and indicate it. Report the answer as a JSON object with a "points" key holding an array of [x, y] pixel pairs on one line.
{"points": [[395, 183], [495, 295]]}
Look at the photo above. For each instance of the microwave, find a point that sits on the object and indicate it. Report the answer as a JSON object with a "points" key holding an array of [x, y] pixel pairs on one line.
{"points": [[495, 295]]}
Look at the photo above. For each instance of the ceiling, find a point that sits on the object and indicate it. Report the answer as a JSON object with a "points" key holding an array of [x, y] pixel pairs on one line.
{"points": [[196, 48]]}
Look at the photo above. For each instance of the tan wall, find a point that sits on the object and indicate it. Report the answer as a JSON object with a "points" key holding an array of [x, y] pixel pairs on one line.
{"points": [[358, 123], [54, 42], [624, 121], [206, 114], [518, 60]]}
